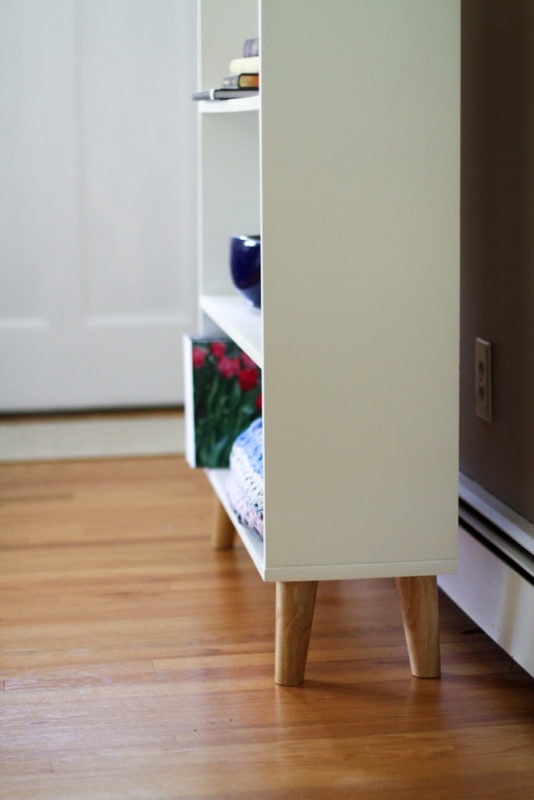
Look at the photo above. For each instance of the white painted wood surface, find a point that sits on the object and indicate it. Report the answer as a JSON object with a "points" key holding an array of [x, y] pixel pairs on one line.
{"points": [[97, 201]]}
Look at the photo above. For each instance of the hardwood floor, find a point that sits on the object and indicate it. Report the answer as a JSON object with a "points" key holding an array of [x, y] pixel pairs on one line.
{"points": [[137, 662]]}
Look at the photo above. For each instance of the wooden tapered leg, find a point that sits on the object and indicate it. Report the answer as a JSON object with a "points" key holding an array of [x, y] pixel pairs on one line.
{"points": [[419, 604], [295, 604], [223, 529]]}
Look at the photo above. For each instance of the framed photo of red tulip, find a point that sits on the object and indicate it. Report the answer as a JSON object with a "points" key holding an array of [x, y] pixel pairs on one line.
{"points": [[222, 398]]}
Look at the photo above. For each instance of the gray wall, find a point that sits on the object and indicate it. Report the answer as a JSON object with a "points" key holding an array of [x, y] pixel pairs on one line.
{"points": [[497, 295]]}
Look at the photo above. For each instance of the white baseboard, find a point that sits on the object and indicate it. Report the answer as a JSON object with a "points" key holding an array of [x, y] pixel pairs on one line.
{"points": [[109, 436], [496, 596]]}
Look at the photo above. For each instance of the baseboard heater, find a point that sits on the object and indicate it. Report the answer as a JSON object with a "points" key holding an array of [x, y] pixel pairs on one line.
{"points": [[494, 584]]}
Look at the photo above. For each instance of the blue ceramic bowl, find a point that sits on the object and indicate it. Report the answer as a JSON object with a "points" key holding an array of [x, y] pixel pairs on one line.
{"points": [[245, 267]]}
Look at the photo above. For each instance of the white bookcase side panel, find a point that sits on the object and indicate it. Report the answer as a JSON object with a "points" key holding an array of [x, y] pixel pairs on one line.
{"points": [[239, 321], [229, 197], [360, 254]]}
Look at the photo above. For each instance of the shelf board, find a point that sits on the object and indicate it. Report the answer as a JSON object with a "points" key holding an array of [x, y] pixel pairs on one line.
{"points": [[229, 106], [239, 321], [251, 540]]}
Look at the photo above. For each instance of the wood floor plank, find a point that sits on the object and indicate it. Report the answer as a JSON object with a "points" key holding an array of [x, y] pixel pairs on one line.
{"points": [[136, 662]]}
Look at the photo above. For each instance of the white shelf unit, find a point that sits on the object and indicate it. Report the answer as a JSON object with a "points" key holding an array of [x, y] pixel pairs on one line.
{"points": [[353, 183]]}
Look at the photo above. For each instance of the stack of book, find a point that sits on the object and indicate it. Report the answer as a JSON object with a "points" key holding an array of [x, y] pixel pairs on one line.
{"points": [[243, 78]]}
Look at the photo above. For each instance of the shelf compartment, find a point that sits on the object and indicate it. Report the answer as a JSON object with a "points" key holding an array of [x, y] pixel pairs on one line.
{"points": [[239, 321], [251, 540]]}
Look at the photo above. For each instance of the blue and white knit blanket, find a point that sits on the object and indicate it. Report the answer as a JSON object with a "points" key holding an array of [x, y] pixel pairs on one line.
{"points": [[245, 482]]}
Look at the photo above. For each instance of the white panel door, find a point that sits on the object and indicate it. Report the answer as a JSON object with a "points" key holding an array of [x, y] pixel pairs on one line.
{"points": [[97, 203]]}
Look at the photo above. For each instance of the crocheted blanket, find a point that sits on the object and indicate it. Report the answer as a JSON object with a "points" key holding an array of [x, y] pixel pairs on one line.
{"points": [[245, 482]]}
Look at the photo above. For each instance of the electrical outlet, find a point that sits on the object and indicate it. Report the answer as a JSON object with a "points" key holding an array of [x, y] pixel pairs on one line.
{"points": [[483, 380]]}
